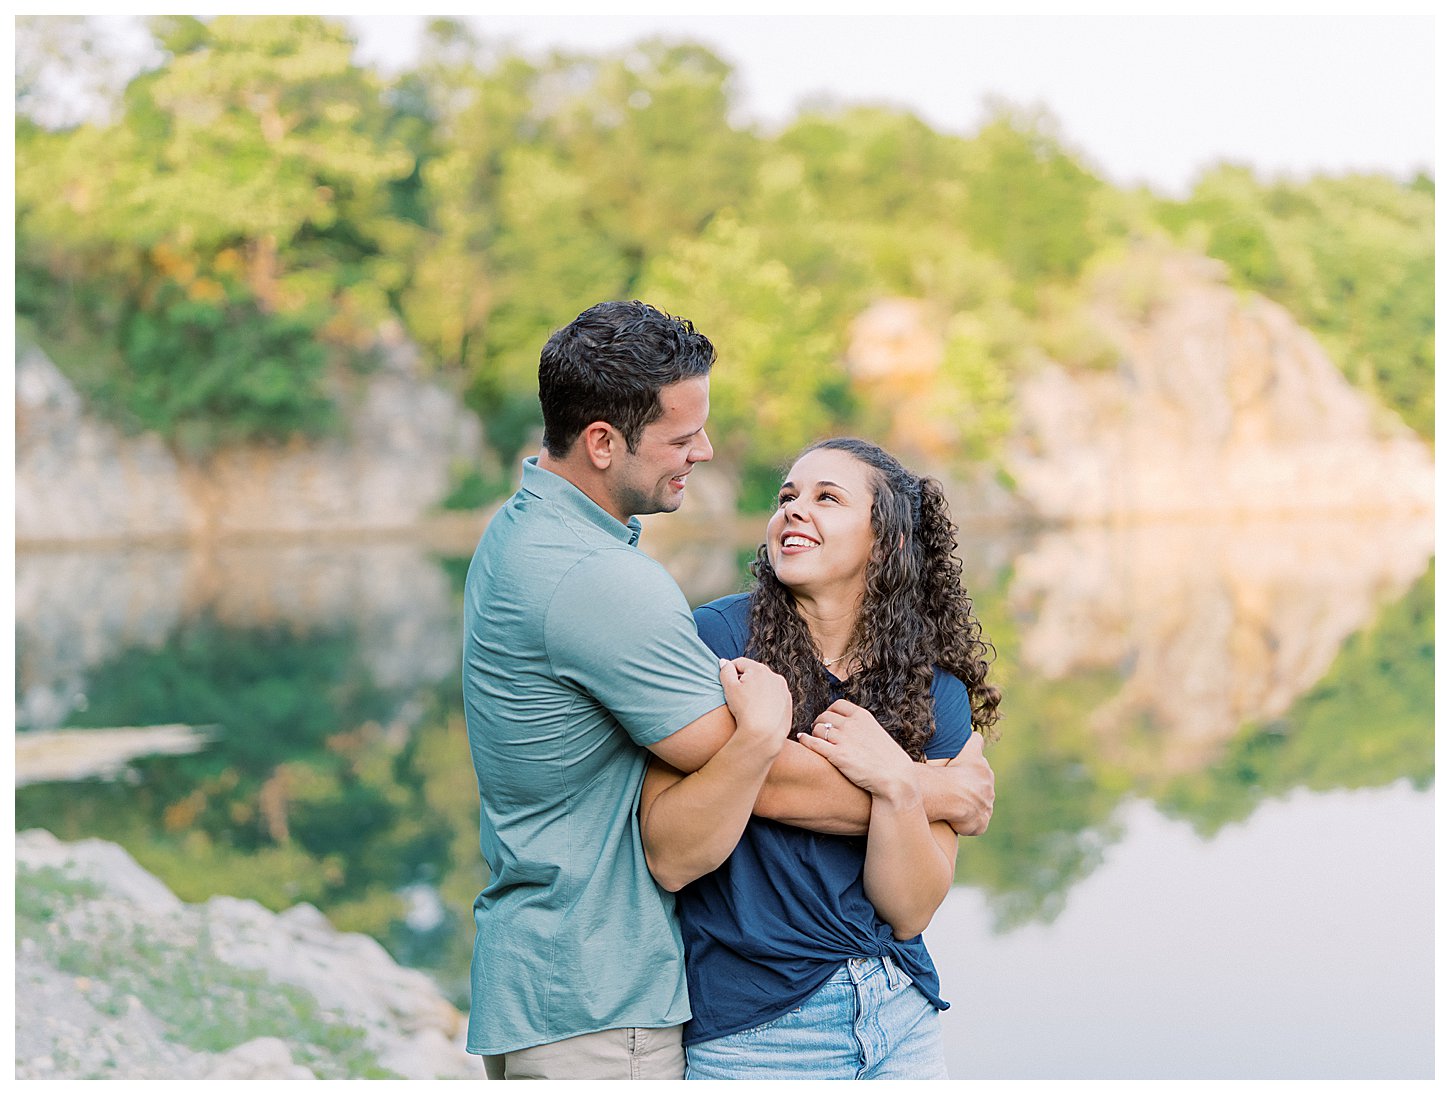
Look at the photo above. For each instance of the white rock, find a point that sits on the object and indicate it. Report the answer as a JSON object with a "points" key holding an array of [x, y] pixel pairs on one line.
{"points": [[259, 1059], [107, 865]]}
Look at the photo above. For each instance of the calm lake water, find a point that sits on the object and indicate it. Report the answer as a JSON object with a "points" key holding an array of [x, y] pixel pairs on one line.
{"points": [[1212, 854]]}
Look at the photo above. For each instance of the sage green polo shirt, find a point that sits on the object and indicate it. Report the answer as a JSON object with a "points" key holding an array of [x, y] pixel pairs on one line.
{"points": [[579, 651]]}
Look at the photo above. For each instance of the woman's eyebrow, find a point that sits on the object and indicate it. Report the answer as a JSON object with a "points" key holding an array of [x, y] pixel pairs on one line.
{"points": [[788, 485]]}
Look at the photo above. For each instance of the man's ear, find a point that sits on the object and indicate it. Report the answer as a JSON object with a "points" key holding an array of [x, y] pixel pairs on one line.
{"points": [[599, 440]]}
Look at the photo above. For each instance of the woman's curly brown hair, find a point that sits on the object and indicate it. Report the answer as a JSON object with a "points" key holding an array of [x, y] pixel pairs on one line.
{"points": [[915, 614]]}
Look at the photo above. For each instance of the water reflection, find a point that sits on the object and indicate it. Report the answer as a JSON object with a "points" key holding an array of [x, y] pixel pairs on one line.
{"points": [[1204, 670], [76, 609], [1210, 626]]}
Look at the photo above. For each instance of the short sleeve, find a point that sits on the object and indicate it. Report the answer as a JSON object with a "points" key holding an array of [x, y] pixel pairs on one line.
{"points": [[723, 625], [952, 705], [618, 628]]}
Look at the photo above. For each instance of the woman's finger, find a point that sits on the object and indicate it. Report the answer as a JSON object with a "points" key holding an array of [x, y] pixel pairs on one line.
{"points": [[817, 744]]}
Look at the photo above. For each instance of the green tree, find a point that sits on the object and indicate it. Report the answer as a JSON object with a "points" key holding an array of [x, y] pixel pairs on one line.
{"points": [[779, 383], [247, 178], [1027, 200]]}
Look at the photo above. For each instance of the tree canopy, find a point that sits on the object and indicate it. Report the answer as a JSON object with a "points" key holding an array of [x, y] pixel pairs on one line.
{"points": [[259, 205]]}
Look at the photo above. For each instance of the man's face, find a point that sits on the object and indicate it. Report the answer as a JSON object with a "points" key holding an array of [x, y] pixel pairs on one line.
{"points": [[652, 478]]}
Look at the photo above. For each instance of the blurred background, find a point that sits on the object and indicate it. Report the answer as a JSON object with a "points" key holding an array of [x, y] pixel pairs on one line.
{"points": [[1152, 296]]}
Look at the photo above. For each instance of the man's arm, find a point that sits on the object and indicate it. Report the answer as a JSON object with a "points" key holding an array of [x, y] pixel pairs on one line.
{"points": [[960, 791], [807, 791], [800, 788], [689, 823]]}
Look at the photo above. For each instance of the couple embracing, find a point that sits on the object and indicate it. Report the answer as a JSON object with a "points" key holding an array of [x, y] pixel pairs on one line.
{"points": [[713, 840]]}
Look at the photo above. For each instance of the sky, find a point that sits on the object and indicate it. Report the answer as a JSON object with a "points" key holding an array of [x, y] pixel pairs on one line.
{"points": [[1143, 96]]}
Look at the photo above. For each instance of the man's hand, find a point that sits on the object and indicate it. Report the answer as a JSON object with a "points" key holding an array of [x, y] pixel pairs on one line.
{"points": [[760, 700], [968, 790]]}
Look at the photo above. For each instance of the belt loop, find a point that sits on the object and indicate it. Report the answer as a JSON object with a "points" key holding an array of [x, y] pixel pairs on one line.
{"points": [[893, 975]]}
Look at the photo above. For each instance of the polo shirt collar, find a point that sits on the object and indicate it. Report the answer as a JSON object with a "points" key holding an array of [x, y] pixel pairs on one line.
{"points": [[555, 488]]}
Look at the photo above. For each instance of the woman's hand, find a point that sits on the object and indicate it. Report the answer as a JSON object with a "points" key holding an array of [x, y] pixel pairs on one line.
{"points": [[849, 736]]}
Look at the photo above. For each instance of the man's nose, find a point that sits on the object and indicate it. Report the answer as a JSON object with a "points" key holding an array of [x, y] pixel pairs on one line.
{"points": [[703, 450]]}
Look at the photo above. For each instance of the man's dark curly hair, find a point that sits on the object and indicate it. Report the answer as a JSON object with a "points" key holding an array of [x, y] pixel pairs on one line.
{"points": [[609, 365], [915, 614]]}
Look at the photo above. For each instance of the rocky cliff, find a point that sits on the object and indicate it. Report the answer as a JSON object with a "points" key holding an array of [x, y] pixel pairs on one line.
{"points": [[1219, 405], [79, 479]]}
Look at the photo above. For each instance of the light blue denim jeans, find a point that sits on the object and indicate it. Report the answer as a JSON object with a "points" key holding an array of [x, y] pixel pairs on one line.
{"points": [[868, 1022]]}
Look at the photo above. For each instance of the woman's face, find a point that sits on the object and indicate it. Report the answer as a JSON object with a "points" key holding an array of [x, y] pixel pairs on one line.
{"points": [[819, 538]]}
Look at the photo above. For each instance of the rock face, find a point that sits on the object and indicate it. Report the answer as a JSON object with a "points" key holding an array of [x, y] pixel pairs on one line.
{"points": [[104, 949], [1221, 405], [78, 479]]}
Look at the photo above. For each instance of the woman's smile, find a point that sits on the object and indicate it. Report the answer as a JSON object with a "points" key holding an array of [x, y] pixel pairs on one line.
{"points": [[820, 536], [793, 543]]}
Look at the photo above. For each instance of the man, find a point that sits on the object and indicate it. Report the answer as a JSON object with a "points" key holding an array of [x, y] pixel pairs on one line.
{"points": [[580, 658]]}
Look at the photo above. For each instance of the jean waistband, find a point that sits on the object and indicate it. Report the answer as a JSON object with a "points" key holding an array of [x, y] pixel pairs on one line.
{"points": [[860, 969]]}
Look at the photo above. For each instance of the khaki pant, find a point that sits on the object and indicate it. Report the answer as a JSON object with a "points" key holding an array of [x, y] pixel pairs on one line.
{"points": [[627, 1053]]}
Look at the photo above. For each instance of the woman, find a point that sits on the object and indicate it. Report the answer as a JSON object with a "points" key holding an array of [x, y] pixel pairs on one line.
{"points": [[803, 951]]}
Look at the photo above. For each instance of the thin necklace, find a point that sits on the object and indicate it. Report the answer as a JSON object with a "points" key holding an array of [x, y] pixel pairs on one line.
{"points": [[833, 661]]}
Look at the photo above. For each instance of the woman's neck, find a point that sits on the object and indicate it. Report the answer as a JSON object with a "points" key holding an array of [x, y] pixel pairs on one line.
{"points": [[831, 621]]}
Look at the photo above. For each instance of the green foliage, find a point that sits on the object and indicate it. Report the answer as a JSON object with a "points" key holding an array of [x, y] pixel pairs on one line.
{"points": [[257, 178], [473, 490], [1028, 201], [1352, 258], [208, 371], [238, 216], [776, 361]]}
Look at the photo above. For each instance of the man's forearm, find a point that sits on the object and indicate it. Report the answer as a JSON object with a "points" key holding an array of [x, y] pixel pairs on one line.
{"points": [[806, 790], [689, 824]]}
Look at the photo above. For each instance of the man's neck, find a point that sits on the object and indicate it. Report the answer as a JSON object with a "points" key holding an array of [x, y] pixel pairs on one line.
{"points": [[586, 477]]}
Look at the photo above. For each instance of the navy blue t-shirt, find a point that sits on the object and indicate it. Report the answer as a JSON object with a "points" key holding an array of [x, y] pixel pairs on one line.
{"points": [[771, 924]]}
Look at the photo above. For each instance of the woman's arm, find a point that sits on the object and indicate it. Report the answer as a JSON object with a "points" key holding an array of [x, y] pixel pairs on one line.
{"points": [[909, 866], [909, 861]]}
